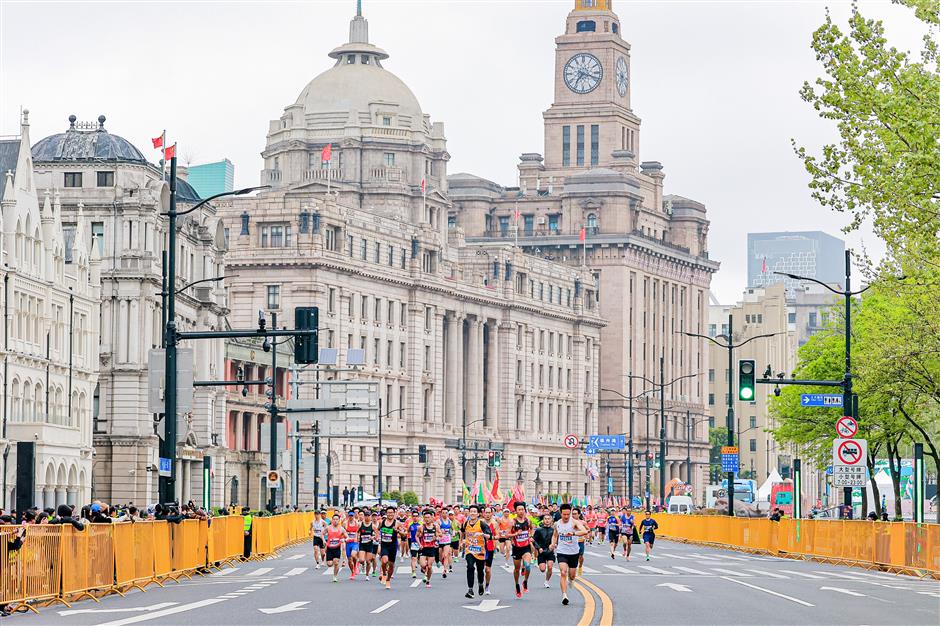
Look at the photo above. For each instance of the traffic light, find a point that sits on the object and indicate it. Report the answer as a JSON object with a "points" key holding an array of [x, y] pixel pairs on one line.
{"points": [[649, 459], [658, 461], [494, 458], [422, 453], [746, 380], [306, 348]]}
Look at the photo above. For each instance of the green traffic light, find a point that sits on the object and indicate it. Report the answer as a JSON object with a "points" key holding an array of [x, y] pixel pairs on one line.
{"points": [[747, 393]]}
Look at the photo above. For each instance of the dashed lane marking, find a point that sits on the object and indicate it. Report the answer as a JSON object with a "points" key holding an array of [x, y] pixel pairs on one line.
{"points": [[296, 570], [260, 571], [729, 572], [387, 605], [802, 574], [766, 573], [773, 593], [655, 570], [691, 570], [621, 570]]}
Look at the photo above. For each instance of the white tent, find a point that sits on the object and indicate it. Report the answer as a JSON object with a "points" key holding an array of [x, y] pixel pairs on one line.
{"points": [[763, 492]]}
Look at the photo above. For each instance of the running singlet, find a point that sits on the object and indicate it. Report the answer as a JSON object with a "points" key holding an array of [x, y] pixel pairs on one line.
{"points": [[366, 534], [475, 541], [613, 524], [649, 527], [567, 543], [388, 535], [626, 524], [504, 525], [428, 537], [319, 527], [413, 535], [445, 533], [591, 519], [521, 528], [334, 536], [352, 530]]}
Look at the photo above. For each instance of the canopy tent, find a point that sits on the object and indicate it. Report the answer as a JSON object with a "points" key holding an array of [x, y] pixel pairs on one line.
{"points": [[763, 492]]}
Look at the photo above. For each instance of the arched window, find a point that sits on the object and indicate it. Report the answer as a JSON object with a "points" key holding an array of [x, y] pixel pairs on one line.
{"points": [[586, 26], [592, 223]]}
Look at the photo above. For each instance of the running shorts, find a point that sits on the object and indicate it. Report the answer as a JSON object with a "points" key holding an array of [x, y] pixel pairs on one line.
{"points": [[350, 548], [415, 553], [430, 552], [374, 548], [613, 536], [546, 556], [518, 551], [649, 538], [489, 558], [455, 545], [332, 554], [318, 542], [571, 560], [390, 550]]}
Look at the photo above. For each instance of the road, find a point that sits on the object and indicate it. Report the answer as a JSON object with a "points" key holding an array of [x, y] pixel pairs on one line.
{"points": [[682, 584]]}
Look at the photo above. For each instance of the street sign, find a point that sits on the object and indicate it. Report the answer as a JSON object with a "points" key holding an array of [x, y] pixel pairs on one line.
{"points": [[166, 466], [848, 462], [637, 502], [590, 450], [610, 484], [608, 442], [156, 382], [820, 399], [846, 426], [274, 478], [729, 459], [572, 441]]}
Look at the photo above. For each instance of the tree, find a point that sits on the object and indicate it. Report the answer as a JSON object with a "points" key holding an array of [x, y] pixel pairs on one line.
{"points": [[717, 437]]}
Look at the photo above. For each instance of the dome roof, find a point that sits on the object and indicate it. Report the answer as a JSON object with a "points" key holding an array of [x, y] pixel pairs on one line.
{"points": [[354, 87], [86, 141]]}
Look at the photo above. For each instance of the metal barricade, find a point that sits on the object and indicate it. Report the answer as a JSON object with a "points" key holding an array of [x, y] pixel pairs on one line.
{"points": [[87, 561]]}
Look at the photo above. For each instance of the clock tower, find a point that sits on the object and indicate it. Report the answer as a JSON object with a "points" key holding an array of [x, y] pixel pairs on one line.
{"points": [[591, 116]]}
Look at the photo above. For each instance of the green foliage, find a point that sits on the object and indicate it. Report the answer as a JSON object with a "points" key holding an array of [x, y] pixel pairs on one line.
{"points": [[409, 498]]}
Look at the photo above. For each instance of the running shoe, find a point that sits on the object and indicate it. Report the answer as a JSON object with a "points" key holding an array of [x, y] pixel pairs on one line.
{"points": [[318, 566], [444, 574], [580, 571], [525, 586], [334, 579], [414, 574], [469, 594], [518, 592], [647, 558], [564, 599], [427, 584], [480, 590], [547, 586], [612, 556]]}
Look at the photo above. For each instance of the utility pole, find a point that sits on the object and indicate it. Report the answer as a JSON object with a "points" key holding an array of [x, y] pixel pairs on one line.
{"points": [[648, 461], [379, 494], [631, 460], [167, 484], [272, 411], [688, 447], [662, 430]]}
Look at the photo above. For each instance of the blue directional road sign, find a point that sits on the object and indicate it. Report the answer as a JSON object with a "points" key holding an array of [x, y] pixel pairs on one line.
{"points": [[820, 399], [729, 459], [166, 466], [607, 442], [637, 501], [610, 484], [590, 450]]}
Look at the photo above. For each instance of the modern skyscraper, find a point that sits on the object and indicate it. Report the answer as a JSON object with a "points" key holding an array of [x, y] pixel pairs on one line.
{"points": [[813, 254], [210, 179]]}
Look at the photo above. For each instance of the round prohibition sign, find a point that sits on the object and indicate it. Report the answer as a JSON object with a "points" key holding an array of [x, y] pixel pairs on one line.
{"points": [[849, 452], [572, 441], [847, 426]]}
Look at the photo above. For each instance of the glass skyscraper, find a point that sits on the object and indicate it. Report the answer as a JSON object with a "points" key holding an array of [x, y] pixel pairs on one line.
{"points": [[212, 178]]}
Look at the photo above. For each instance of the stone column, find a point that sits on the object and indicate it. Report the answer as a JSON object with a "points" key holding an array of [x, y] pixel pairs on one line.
{"points": [[453, 373], [475, 374], [492, 376]]}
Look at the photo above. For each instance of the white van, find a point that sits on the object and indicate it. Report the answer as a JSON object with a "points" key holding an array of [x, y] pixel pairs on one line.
{"points": [[681, 505]]}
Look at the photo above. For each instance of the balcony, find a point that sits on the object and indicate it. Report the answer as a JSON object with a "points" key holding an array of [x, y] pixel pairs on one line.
{"points": [[322, 174], [387, 174]]}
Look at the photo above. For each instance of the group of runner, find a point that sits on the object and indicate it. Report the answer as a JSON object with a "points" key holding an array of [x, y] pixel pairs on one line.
{"points": [[369, 542]]}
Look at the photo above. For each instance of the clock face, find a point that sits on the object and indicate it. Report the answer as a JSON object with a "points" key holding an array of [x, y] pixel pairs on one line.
{"points": [[621, 75], [583, 73]]}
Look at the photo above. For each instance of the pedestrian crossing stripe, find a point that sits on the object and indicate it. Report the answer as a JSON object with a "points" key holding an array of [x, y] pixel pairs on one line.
{"points": [[619, 570], [691, 570], [655, 570], [260, 571], [766, 573], [729, 572]]}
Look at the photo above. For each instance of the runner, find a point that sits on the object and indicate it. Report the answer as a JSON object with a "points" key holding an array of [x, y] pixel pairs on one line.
{"points": [[367, 544], [576, 515], [443, 542], [352, 543], [456, 530], [601, 525], [403, 520], [521, 547], [590, 519], [428, 538], [627, 524], [613, 531], [542, 540], [318, 530], [335, 538], [504, 520], [476, 533], [490, 549], [414, 545], [565, 545], [649, 527], [389, 531]]}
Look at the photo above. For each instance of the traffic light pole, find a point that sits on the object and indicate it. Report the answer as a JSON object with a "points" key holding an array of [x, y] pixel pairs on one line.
{"points": [[167, 484], [272, 412], [662, 432], [630, 459]]}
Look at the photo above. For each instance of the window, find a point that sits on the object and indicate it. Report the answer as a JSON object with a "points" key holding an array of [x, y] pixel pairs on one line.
{"points": [[97, 235], [586, 26], [580, 146], [349, 245], [386, 121], [791, 318], [565, 146], [376, 352], [365, 250], [553, 223], [73, 179], [711, 399], [753, 445], [528, 225], [427, 358], [401, 355], [753, 421], [812, 320], [274, 296], [105, 179], [503, 225], [275, 235], [595, 140], [389, 159], [331, 302], [711, 375], [378, 250], [68, 238]]}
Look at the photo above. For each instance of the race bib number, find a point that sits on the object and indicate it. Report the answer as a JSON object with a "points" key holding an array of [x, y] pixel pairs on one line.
{"points": [[522, 536]]}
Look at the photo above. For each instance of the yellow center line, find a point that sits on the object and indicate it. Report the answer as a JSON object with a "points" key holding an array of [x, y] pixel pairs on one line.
{"points": [[588, 615], [607, 606]]}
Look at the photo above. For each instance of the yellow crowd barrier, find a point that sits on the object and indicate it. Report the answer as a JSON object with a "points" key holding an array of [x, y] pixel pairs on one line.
{"points": [[58, 563], [892, 546]]}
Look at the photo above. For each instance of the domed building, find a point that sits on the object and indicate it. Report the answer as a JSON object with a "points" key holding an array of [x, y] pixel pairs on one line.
{"points": [[478, 343], [113, 198]]}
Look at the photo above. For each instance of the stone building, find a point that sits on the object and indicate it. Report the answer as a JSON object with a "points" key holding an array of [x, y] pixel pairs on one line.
{"points": [[481, 337], [591, 204], [113, 198], [50, 291]]}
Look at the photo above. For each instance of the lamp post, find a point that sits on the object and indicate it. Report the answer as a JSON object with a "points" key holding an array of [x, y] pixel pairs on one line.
{"points": [[381, 453], [730, 346], [168, 447], [631, 459], [463, 448]]}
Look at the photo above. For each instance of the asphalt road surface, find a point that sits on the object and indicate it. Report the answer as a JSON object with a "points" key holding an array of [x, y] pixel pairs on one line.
{"points": [[682, 584]]}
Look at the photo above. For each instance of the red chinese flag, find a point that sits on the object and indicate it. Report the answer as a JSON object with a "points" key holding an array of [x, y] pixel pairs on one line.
{"points": [[327, 153], [170, 152], [582, 235], [424, 185], [157, 142]]}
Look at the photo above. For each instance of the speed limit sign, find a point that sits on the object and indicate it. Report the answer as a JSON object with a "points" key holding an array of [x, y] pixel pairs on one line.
{"points": [[572, 441]]}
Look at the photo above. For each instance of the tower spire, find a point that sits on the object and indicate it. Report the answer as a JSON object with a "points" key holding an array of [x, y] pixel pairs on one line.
{"points": [[358, 8]]}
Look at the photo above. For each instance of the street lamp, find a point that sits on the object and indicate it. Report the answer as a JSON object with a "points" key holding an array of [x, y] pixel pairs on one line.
{"points": [[381, 453], [463, 447], [168, 449], [630, 460], [690, 425], [730, 346]]}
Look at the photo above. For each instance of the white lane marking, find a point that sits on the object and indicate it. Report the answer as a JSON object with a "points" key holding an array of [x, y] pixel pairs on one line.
{"points": [[260, 571], [599, 556], [226, 572], [773, 593], [847, 592], [296, 570], [152, 607], [675, 587], [765, 573], [722, 556], [935, 594], [295, 557], [730, 572], [680, 556], [286, 608], [387, 605], [692, 570], [622, 570], [704, 556], [795, 573], [182, 608], [590, 570], [403, 569], [415, 583], [845, 576], [655, 570]]}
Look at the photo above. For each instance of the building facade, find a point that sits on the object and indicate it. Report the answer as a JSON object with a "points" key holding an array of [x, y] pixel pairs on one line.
{"points": [[51, 288], [112, 197], [812, 254], [479, 339], [592, 205], [209, 179]]}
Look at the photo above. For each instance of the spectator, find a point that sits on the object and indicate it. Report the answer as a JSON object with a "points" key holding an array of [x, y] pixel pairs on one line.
{"points": [[246, 512], [14, 542], [775, 515], [345, 496], [873, 517], [64, 516]]}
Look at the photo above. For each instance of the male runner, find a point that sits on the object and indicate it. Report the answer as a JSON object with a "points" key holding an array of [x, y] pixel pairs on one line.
{"points": [[352, 543], [318, 530], [367, 543], [476, 532], [504, 520], [649, 526], [590, 520], [576, 515], [542, 540], [414, 545], [613, 531], [335, 539], [428, 538], [565, 545], [521, 536], [446, 526], [389, 531], [627, 523], [456, 533], [490, 549]]}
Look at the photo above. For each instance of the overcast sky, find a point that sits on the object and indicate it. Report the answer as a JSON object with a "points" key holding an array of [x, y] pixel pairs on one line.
{"points": [[715, 83]]}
